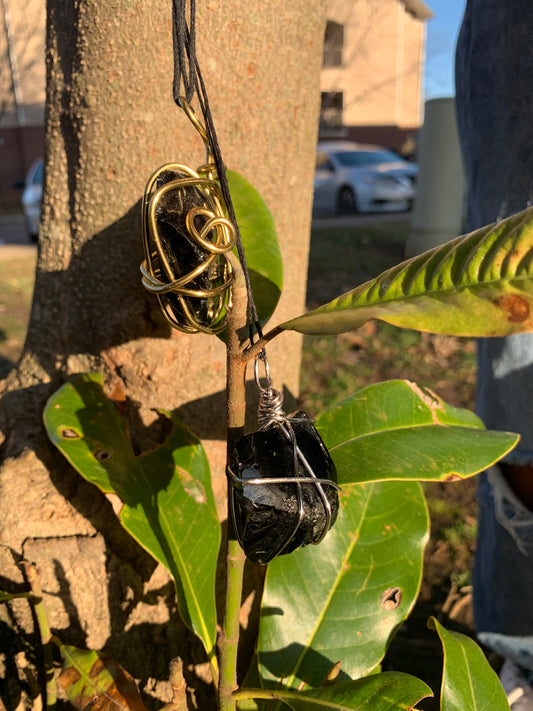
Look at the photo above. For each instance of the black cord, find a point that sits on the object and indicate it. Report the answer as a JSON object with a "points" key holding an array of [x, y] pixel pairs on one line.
{"points": [[184, 43], [187, 72]]}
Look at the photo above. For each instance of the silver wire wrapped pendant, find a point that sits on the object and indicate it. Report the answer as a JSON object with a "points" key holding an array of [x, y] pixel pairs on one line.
{"points": [[284, 491], [278, 504]]}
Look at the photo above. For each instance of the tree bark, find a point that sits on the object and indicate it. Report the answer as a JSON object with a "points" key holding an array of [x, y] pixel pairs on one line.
{"points": [[110, 121]]}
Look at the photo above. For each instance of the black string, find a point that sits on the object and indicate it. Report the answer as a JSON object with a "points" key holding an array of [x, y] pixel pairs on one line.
{"points": [[184, 43], [187, 72]]}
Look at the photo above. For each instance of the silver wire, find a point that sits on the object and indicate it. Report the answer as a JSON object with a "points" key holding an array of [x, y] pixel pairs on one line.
{"points": [[270, 413]]}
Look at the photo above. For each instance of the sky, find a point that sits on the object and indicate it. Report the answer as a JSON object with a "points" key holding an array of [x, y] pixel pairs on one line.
{"points": [[442, 32]]}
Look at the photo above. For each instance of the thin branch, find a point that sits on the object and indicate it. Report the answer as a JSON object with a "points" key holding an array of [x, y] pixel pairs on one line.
{"points": [[251, 351], [179, 687], [236, 411]]}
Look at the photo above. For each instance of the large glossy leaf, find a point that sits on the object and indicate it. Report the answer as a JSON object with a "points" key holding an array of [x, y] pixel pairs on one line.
{"points": [[396, 430], [94, 681], [468, 681], [390, 691], [260, 242], [167, 501], [342, 600], [477, 285]]}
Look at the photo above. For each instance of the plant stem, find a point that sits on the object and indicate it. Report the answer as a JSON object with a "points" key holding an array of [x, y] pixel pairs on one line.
{"points": [[50, 695], [236, 411]]}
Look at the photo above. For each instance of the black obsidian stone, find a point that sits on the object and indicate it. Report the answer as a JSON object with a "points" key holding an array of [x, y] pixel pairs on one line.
{"points": [[267, 516], [183, 253]]}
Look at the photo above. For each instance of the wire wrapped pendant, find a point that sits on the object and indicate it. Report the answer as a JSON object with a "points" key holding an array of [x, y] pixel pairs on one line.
{"points": [[284, 491], [186, 238]]}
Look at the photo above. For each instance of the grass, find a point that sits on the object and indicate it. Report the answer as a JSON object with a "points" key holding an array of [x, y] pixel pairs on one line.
{"points": [[334, 367], [16, 277]]}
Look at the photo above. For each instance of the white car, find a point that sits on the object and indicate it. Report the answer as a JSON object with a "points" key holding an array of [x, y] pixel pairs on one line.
{"points": [[31, 199], [354, 177]]}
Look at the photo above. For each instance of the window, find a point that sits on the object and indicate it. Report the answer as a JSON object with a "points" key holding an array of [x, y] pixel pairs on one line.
{"points": [[333, 44], [331, 110]]}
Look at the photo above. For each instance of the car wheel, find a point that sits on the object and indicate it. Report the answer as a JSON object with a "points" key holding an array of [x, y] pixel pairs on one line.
{"points": [[346, 201]]}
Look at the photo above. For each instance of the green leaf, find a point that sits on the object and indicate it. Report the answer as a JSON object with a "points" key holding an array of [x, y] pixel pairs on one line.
{"points": [[342, 600], [168, 504], [381, 692], [396, 430], [468, 681], [477, 285], [260, 242], [95, 681]]}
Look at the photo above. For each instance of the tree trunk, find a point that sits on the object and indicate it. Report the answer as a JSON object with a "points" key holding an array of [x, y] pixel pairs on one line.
{"points": [[110, 122]]}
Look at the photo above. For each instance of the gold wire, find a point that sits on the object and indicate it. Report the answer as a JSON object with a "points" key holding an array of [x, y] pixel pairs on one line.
{"points": [[193, 118], [215, 238]]}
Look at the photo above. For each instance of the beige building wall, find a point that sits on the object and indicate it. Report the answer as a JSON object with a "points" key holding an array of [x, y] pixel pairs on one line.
{"points": [[382, 61], [22, 62]]}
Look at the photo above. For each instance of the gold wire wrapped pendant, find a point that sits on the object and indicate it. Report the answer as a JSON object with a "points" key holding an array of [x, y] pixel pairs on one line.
{"points": [[186, 239]]}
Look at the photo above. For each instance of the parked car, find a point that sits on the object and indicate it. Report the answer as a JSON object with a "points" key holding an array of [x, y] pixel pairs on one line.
{"points": [[31, 199], [356, 177]]}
